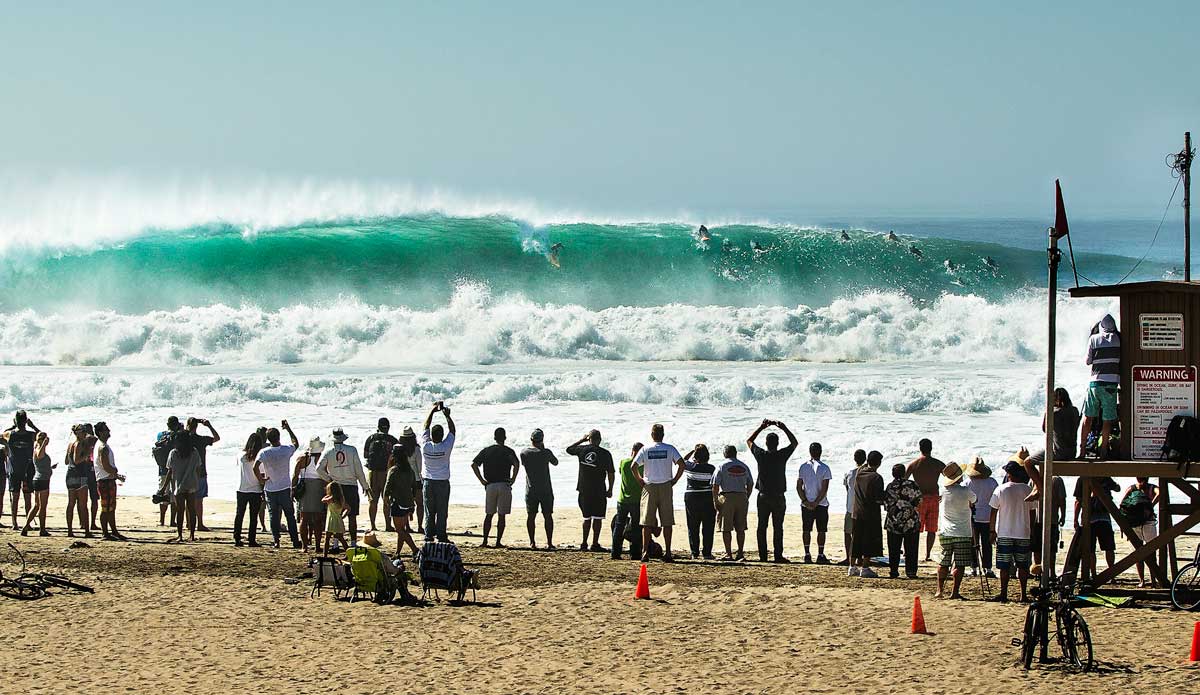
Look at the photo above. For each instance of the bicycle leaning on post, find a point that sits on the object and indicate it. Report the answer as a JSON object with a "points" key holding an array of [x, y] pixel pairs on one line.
{"points": [[1185, 590], [1071, 629]]}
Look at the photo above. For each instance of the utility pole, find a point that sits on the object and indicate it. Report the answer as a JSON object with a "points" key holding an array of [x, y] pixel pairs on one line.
{"points": [[1187, 205]]}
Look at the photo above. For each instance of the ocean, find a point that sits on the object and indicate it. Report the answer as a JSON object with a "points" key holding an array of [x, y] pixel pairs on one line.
{"points": [[331, 314]]}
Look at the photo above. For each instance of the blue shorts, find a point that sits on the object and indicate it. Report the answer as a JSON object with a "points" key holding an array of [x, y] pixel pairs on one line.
{"points": [[1013, 553], [1101, 401], [202, 488]]}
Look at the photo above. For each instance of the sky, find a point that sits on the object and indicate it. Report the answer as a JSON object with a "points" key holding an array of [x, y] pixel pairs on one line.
{"points": [[795, 108]]}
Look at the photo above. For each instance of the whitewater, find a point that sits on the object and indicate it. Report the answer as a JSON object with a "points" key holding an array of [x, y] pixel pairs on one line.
{"points": [[333, 306]]}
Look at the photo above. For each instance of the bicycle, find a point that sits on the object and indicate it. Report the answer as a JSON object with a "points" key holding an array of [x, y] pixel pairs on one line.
{"points": [[1071, 630], [29, 586], [1185, 590]]}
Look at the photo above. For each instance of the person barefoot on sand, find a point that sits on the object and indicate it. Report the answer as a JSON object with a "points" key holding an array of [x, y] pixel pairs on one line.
{"points": [[1011, 524], [107, 478], [183, 479], [78, 461], [500, 467], [201, 442], [958, 547], [309, 504], [40, 485], [398, 490], [19, 440], [335, 512], [924, 471], [657, 483], [377, 449], [596, 476], [539, 492]]}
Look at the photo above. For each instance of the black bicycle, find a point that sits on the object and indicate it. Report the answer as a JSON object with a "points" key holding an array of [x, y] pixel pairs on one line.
{"points": [[1071, 630], [1185, 590], [27, 586]]}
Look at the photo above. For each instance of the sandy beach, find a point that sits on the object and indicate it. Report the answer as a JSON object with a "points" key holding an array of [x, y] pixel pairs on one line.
{"points": [[209, 617]]}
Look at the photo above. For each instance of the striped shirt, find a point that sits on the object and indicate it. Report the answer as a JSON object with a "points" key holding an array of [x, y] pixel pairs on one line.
{"points": [[699, 477], [1104, 353]]}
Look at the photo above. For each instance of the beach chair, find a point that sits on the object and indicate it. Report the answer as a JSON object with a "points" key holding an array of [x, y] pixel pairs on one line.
{"points": [[330, 573], [441, 568], [370, 578]]}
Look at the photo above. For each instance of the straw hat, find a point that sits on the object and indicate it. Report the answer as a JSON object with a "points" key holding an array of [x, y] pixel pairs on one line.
{"points": [[315, 445], [951, 475], [978, 469], [371, 539], [407, 433]]}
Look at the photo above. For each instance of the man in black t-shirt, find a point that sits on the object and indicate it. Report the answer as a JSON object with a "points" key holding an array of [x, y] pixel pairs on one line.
{"points": [[596, 474], [500, 466], [19, 440], [201, 442], [1101, 521], [772, 485], [377, 449]]}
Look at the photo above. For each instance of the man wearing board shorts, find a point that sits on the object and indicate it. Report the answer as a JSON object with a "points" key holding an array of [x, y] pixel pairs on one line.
{"points": [[1104, 357], [499, 466], [925, 471], [657, 481], [594, 485], [731, 495]]}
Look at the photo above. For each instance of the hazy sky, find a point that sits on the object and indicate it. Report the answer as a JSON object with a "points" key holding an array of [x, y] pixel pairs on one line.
{"points": [[869, 108]]}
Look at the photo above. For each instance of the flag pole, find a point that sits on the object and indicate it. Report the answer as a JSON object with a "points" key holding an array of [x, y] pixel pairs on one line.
{"points": [[1047, 487]]}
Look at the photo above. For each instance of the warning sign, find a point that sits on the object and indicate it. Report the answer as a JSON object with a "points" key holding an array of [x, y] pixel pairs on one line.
{"points": [[1161, 331], [1159, 394]]}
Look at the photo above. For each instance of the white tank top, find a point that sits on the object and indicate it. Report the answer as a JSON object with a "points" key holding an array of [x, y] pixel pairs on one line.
{"points": [[102, 474]]}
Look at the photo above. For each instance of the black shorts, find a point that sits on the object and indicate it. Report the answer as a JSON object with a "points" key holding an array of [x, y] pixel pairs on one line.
{"points": [[39, 485], [396, 510], [19, 477], [818, 516], [538, 500], [593, 504], [1102, 533], [350, 494]]}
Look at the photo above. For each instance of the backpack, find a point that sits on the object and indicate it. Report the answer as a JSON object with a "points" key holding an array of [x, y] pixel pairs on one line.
{"points": [[1182, 443], [162, 449], [377, 452], [1137, 508]]}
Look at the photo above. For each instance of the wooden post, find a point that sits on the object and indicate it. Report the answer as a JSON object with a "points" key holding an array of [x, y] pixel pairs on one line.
{"points": [[1047, 486], [1187, 206]]}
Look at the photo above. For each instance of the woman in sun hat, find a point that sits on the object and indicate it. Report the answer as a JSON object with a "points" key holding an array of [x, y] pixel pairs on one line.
{"points": [[308, 502], [954, 528], [981, 482]]}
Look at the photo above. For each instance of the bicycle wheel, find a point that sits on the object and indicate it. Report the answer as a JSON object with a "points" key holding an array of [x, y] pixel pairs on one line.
{"points": [[1185, 590], [1030, 638], [1076, 640], [21, 590]]}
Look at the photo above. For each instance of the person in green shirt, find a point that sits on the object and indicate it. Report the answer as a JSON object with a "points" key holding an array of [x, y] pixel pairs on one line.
{"points": [[627, 522]]}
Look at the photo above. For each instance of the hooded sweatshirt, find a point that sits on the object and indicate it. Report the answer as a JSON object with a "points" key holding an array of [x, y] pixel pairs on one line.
{"points": [[1104, 352]]}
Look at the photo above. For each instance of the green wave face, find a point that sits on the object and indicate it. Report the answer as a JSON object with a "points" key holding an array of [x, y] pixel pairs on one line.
{"points": [[418, 261]]}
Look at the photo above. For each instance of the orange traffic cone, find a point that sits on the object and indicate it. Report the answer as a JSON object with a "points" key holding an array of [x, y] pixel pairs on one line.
{"points": [[1195, 656], [918, 618], [643, 585]]}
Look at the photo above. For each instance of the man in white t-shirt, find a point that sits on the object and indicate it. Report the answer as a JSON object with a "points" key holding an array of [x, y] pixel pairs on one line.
{"points": [[954, 528], [436, 445], [652, 467], [273, 467], [1011, 524], [812, 484]]}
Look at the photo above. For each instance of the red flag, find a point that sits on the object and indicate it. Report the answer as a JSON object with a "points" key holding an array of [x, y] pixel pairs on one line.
{"points": [[1060, 213]]}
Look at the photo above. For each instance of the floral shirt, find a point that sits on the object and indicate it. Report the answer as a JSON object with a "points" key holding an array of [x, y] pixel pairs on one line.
{"points": [[903, 498]]}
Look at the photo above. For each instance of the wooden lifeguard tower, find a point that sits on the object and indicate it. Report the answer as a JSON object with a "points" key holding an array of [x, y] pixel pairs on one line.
{"points": [[1160, 351]]}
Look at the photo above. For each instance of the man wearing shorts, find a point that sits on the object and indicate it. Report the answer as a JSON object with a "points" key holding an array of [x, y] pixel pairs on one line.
{"points": [[202, 442], [812, 484], [731, 496], [539, 491], [595, 485], [342, 466], [106, 483], [500, 466], [377, 450], [1104, 357], [772, 485], [955, 536], [655, 462], [628, 521], [1011, 524], [1101, 521], [924, 471], [19, 441]]}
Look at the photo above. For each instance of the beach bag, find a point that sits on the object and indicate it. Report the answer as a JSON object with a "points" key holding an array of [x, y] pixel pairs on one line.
{"points": [[1182, 443], [1137, 508], [366, 564]]}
